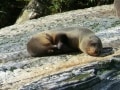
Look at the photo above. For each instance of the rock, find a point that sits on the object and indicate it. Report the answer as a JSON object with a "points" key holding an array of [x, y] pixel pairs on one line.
{"points": [[68, 71], [86, 78], [33, 10]]}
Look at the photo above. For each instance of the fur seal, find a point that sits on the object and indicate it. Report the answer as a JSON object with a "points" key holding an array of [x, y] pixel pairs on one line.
{"points": [[117, 7], [47, 43], [65, 40]]}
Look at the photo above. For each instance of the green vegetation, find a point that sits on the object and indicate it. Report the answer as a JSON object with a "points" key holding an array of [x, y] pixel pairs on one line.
{"points": [[10, 9], [56, 6]]}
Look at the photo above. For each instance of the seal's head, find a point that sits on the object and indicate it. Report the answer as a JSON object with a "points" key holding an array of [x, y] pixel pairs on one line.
{"points": [[94, 46], [91, 45]]}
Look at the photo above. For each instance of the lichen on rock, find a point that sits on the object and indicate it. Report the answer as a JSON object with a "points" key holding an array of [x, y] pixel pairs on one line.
{"points": [[20, 71]]}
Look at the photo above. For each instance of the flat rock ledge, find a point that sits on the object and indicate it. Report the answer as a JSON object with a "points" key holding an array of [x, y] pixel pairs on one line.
{"points": [[102, 75], [19, 71]]}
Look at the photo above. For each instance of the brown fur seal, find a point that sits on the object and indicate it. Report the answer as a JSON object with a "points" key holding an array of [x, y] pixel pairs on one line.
{"points": [[117, 7], [64, 41], [47, 43]]}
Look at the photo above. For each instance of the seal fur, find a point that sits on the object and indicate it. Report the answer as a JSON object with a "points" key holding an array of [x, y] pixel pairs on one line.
{"points": [[65, 40]]}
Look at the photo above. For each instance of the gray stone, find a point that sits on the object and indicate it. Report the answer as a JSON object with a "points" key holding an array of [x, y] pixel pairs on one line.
{"points": [[63, 72]]}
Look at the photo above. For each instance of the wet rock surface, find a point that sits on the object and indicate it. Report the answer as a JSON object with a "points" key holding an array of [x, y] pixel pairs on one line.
{"points": [[104, 75], [74, 71]]}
